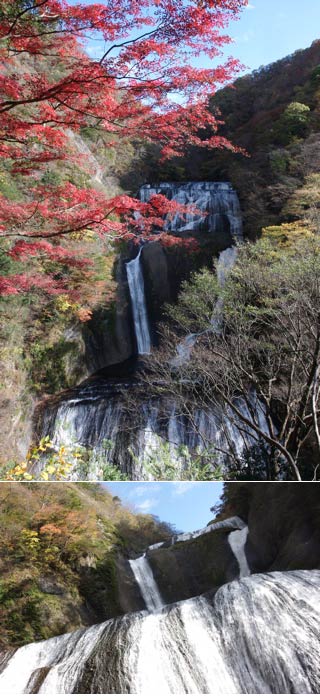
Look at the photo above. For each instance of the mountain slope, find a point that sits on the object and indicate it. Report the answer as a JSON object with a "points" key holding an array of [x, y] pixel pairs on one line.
{"points": [[63, 556]]}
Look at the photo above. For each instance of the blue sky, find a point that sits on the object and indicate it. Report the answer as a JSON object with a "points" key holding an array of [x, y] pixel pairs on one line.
{"points": [[184, 504], [267, 31], [271, 29]]}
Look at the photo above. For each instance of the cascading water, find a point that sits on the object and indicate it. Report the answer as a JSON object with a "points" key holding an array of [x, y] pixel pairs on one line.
{"points": [[216, 204], [97, 414], [235, 523], [138, 303], [147, 585], [237, 541], [257, 635]]}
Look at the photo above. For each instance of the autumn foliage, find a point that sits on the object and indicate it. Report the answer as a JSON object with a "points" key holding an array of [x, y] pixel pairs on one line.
{"points": [[143, 86]]}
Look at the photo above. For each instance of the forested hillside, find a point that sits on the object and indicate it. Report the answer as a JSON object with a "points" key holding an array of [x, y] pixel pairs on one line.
{"points": [[271, 296], [274, 114], [63, 554]]}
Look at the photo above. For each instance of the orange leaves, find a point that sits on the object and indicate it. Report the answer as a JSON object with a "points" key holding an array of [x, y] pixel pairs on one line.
{"points": [[50, 530], [84, 314]]}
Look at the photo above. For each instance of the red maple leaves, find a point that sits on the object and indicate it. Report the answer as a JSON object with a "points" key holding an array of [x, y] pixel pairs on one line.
{"points": [[143, 87]]}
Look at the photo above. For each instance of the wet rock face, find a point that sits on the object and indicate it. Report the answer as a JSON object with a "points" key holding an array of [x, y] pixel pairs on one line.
{"points": [[283, 535], [210, 205], [108, 336], [129, 596], [158, 286], [284, 525], [191, 568]]}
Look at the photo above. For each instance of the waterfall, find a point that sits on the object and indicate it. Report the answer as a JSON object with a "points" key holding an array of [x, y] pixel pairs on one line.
{"points": [[226, 261], [216, 203], [147, 585], [184, 348], [143, 573], [138, 303], [257, 635], [120, 421], [128, 432], [237, 541]]}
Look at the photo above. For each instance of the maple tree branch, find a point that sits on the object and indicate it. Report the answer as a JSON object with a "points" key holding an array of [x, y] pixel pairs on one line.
{"points": [[129, 41]]}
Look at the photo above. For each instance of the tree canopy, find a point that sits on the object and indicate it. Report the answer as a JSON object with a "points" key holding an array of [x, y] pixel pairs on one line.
{"points": [[144, 87], [265, 351]]}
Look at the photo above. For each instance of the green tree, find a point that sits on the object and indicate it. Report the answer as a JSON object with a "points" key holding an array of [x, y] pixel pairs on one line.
{"points": [[267, 350], [293, 123]]}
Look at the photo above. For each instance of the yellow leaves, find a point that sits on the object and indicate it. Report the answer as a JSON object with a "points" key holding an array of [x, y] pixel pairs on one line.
{"points": [[86, 234], [288, 236], [30, 540], [51, 469], [33, 534], [18, 473], [64, 304], [57, 467]]}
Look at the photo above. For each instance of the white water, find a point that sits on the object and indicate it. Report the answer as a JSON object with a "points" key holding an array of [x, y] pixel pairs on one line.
{"points": [[237, 541], [138, 303], [65, 654], [228, 523], [225, 263], [257, 635], [97, 416], [145, 579], [184, 349], [98, 413], [215, 202]]}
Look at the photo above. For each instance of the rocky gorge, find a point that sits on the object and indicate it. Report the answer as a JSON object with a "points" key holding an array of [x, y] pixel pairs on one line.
{"points": [[78, 381], [112, 414]]}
